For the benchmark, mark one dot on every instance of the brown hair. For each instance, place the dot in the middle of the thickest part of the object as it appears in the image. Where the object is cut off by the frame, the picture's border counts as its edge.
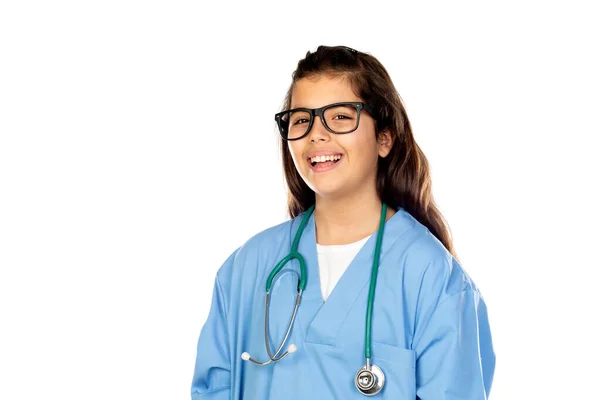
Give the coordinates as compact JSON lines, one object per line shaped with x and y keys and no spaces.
{"x":403,"y":177}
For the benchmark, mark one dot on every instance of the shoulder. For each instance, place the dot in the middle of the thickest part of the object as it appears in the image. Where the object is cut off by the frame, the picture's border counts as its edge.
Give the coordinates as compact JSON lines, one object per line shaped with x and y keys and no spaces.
{"x":267,"y":239}
{"x":262,"y":243}
{"x":433,"y":266}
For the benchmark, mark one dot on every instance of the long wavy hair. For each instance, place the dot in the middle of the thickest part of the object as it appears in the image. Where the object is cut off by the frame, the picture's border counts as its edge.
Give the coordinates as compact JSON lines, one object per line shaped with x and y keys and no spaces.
{"x":403,"y":177}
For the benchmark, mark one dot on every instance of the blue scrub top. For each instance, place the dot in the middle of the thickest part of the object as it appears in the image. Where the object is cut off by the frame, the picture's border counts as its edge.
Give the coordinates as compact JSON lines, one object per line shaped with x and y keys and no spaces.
{"x":430,"y":330}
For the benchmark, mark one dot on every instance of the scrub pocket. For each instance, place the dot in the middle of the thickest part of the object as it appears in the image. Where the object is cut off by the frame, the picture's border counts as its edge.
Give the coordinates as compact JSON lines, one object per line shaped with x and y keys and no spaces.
{"x":399,"y":367}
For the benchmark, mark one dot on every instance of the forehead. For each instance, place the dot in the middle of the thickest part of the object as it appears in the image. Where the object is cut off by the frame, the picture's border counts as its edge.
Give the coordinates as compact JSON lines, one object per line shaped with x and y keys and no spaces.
{"x":318,"y":91}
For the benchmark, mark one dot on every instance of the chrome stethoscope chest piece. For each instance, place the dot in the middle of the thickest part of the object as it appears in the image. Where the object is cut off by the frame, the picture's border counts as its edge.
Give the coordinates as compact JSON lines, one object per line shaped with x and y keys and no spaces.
{"x":369,"y":381}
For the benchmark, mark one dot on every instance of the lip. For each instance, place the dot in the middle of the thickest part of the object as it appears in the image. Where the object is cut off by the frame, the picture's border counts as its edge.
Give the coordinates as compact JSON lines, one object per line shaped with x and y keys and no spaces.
{"x":320,"y":168}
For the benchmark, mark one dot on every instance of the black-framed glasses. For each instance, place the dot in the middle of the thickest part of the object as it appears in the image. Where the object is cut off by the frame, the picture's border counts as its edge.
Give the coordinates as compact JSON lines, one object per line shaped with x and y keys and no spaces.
{"x":338,"y":118}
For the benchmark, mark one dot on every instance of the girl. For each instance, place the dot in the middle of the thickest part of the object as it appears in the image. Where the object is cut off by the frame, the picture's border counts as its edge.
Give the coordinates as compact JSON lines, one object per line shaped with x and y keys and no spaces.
{"x":360,"y":293}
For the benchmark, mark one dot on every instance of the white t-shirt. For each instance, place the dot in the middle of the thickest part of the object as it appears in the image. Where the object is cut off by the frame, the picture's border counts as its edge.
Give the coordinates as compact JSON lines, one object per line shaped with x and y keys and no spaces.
{"x":333,"y":262}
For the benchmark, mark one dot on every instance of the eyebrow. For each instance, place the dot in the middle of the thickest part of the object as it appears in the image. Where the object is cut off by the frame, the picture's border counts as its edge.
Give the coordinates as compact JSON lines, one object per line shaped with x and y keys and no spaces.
{"x":298,"y":106}
{"x":333,"y":102}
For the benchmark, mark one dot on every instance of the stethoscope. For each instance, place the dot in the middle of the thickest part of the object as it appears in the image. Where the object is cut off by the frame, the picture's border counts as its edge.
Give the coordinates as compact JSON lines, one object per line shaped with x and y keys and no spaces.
{"x":369,"y":378}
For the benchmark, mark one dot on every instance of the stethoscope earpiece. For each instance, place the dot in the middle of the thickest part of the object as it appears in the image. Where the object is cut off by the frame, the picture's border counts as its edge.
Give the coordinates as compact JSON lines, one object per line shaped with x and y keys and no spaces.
{"x":369,"y":381}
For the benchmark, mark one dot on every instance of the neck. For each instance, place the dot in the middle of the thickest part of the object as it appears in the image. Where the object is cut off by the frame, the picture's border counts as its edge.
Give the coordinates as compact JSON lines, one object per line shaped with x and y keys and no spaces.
{"x":347,"y":220}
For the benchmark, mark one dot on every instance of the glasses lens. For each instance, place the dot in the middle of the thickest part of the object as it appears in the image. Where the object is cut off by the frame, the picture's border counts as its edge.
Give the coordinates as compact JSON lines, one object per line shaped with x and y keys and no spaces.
{"x":342,"y":118}
{"x":295,"y":123}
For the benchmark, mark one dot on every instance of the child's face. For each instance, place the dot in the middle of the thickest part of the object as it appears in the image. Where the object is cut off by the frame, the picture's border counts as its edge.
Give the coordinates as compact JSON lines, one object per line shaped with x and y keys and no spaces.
{"x":356,"y":170}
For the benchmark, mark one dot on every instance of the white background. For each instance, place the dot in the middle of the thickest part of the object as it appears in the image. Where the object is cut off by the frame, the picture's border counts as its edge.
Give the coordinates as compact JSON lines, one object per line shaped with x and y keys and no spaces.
{"x":138,"y":149}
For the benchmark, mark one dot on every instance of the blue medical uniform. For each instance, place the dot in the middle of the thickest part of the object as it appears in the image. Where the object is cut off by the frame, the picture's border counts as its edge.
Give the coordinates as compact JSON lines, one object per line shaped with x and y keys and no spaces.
{"x":430,"y":331}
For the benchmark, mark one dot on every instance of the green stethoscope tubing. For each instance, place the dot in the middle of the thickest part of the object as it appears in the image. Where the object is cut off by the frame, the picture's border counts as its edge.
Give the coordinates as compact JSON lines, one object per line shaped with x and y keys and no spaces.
{"x":302,"y":282}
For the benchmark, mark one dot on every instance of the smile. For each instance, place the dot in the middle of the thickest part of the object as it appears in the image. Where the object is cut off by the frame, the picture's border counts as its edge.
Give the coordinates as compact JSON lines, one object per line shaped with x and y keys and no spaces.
{"x":324,"y":163}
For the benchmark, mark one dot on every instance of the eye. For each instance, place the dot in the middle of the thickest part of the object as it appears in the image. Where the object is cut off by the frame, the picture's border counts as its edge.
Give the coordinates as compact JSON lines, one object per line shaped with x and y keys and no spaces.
{"x":341,"y":115}
{"x":298,"y":120}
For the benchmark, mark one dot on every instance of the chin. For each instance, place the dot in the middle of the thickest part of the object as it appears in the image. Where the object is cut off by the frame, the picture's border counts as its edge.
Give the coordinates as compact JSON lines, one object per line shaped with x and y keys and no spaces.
{"x":328,"y":191}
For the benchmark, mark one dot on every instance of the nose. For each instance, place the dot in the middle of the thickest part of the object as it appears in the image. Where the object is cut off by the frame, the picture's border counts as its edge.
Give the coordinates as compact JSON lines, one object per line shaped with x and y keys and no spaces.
{"x":318,"y":131}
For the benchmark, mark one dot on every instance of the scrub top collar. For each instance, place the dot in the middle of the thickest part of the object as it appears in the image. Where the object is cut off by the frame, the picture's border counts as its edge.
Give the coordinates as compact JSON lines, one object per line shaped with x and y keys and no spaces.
{"x":322,"y":320}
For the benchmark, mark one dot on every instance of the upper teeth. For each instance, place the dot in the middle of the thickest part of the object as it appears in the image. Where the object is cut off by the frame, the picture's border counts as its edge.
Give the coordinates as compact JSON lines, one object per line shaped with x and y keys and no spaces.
{"x":325,"y":158}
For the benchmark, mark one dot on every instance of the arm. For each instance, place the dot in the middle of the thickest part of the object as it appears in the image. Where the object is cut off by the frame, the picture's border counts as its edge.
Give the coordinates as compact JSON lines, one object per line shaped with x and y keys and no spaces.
{"x":455,"y":357}
{"x":212,"y":377}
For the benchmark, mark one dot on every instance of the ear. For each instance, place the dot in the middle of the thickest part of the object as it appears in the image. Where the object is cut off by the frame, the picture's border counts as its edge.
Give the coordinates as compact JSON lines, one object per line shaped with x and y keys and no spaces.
{"x":385,"y":140}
